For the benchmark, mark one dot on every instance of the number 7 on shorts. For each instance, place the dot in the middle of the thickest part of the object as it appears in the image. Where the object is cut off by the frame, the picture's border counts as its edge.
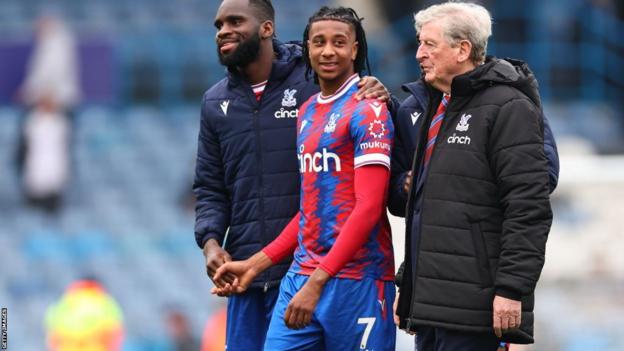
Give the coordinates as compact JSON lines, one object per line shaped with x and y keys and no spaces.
{"x":369,"y":321}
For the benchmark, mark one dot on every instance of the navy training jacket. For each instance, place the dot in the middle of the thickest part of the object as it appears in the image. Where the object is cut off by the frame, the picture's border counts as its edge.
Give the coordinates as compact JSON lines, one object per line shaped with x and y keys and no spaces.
{"x":407,"y":121}
{"x":246,"y":176}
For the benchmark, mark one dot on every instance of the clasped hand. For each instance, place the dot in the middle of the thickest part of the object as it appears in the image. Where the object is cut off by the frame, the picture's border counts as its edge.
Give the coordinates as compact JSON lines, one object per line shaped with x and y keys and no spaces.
{"x":243,"y":274}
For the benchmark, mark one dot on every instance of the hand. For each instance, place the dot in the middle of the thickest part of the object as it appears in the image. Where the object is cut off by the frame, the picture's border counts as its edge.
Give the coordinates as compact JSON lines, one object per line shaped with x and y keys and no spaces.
{"x":397,"y":320}
{"x":507,"y":315}
{"x":236,"y":277}
{"x":243,"y":272}
{"x":215,"y":257}
{"x":407,"y":184}
{"x":300,"y":309}
{"x":371,"y":88}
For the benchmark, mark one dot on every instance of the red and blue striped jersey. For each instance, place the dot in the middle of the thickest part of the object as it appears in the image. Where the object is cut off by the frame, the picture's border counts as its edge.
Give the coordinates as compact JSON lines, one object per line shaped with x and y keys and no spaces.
{"x":337,"y":134}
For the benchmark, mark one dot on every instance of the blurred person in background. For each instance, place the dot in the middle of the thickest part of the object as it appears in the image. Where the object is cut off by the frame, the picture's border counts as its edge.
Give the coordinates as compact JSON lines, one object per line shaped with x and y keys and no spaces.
{"x":246,"y":179}
{"x":180,"y":332}
{"x":49,"y":93}
{"x":52,"y":76}
{"x":46,"y":157}
{"x":86,"y":318}
{"x":213,"y":338}
{"x":478,"y":211}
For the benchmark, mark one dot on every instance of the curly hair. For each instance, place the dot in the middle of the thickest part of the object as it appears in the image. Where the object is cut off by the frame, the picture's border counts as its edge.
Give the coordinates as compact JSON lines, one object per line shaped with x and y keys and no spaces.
{"x":345,"y":15}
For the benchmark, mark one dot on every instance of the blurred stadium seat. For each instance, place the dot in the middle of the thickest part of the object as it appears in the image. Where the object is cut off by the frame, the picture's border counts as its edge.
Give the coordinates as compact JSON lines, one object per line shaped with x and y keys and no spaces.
{"x":123,"y":222}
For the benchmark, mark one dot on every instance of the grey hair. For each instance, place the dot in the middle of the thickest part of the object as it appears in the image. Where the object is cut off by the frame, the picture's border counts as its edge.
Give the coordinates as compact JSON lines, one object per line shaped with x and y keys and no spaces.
{"x":460,"y":21}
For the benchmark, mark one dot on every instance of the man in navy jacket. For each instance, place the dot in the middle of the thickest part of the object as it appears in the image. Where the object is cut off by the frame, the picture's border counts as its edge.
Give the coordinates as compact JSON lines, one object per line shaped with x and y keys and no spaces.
{"x":246,"y":180}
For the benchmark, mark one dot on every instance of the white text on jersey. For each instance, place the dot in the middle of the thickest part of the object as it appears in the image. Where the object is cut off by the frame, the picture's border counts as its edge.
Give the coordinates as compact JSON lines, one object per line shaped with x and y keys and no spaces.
{"x":317,"y":162}
{"x":375,"y":145}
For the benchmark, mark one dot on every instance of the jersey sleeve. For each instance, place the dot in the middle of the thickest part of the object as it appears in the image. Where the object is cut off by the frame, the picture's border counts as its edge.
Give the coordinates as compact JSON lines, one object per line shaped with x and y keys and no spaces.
{"x":372,"y":132}
{"x":369,"y":207}
{"x":285,"y":243}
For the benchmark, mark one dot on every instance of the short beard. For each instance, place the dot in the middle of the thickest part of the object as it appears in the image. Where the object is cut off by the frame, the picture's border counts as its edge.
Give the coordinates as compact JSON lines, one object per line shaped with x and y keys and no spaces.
{"x":246,"y":53}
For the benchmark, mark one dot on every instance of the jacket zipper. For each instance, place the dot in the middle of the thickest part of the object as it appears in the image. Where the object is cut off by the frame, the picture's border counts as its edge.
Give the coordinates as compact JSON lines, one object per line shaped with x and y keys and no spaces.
{"x":408,"y":245}
{"x":415,"y":272}
{"x":256,"y":121}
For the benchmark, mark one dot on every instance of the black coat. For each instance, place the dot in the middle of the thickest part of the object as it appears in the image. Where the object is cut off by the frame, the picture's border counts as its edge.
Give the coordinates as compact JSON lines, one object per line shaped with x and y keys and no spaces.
{"x":408,"y":118}
{"x":485,"y":205}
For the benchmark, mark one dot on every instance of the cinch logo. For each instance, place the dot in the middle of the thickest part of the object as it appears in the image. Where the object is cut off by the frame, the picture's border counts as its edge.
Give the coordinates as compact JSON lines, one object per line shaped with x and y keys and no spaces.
{"x":281,"y":113}
{"x":317,"y":162}
{"x":454,"y":139}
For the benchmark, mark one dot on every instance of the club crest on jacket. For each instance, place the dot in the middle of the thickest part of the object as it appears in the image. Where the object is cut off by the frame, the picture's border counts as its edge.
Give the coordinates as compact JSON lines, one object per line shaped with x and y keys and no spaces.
{"x":289,"y":99}
{"x":463,"y":125}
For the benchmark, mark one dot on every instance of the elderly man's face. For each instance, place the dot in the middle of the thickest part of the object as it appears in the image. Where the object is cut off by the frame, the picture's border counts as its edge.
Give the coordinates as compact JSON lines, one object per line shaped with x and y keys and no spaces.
{"x":438,"y":59}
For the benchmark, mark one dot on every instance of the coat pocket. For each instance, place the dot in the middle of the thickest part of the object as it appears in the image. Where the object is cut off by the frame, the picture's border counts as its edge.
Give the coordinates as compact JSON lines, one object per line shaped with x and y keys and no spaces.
{"x":482,"y":261}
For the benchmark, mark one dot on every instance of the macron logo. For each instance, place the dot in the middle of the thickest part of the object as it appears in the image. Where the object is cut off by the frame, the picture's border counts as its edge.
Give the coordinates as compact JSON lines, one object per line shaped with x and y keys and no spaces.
{"x":224,"y":106}
{"x":376,"y":106}
{"x":415,"y":116}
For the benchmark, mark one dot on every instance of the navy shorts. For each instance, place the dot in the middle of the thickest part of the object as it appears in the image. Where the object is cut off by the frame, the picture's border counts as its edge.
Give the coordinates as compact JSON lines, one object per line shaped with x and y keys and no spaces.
{"x":248,"y":317}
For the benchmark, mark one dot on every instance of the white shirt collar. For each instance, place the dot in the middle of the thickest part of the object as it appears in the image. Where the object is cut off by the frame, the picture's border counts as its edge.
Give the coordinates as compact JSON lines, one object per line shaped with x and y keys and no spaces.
{"x":340,"y":92}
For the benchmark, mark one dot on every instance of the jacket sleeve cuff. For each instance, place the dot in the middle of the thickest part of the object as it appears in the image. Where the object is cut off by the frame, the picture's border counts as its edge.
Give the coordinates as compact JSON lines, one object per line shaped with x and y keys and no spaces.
{"x":398,"y":197}
{"x":398,"y":278}
{"x":399,"y":186}
{"x":509,"y":294}
{"x":202,"y":240}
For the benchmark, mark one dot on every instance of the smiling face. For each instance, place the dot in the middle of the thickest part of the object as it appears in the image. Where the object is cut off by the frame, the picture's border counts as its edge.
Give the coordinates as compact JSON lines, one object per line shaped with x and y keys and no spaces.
{"x":332,"y":50}
{"x":439,"y":61}
{"x":239,"y":33}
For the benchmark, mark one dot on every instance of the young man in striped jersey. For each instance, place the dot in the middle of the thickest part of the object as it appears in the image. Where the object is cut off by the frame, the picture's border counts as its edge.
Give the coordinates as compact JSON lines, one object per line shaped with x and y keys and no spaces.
{"x":339,"y":290}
